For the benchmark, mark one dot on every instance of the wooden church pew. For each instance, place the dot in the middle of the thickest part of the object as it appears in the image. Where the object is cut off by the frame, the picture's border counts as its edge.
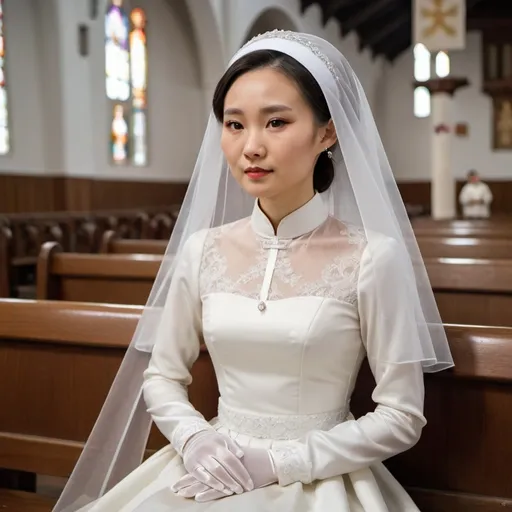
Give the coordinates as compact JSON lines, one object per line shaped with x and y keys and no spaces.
{"x":463,"y":247}
{"x":111,"y":278}
{"x":472,"y":291}
{"x":57,"y":363}
{"x":75,"y":232}
{"x":462,"y":461}
{"x":112,"y":244}
{"x":468,"y":291}
{"x":460,"y":464}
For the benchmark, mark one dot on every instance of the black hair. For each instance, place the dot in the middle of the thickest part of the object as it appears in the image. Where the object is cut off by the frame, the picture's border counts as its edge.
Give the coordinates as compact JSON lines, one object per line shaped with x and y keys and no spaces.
{"x":323,"y":174}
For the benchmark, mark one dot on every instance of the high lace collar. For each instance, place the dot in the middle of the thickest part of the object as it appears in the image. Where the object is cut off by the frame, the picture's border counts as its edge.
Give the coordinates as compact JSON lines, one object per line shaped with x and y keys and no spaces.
{"x":301,"y":221}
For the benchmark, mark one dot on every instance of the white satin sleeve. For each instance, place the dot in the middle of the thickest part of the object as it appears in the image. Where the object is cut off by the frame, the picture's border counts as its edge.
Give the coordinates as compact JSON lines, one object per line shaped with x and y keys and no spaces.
{"x":397,"y":421}
{"x":176,"y":349}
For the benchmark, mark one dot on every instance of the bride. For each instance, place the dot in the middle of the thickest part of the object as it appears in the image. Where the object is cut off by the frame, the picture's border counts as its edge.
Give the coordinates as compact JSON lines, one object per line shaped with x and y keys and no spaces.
{"x":293,"y":259}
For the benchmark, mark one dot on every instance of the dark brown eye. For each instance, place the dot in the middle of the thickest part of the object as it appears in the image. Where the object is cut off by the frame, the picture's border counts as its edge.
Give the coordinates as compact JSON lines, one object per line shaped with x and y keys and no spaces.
{"x":277,"y":123}
{"x":233,"y":125}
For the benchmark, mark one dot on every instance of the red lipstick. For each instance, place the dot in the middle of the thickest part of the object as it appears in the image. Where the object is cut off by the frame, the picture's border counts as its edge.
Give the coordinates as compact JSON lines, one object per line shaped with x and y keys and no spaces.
{"x":256,"y":173}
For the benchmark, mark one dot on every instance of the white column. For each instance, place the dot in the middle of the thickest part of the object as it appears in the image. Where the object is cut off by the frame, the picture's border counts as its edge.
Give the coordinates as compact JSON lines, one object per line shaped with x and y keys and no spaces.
{"x":443,"y":203}
{"x":76,"y":100}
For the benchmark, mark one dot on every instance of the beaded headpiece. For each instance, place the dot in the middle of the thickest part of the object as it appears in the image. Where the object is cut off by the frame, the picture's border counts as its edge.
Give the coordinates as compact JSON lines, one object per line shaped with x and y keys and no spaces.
{"x":295,"y":37}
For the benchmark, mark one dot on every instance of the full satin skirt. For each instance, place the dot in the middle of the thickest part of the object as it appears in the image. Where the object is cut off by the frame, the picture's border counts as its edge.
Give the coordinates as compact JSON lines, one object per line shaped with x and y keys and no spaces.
{"x":147,"y":489}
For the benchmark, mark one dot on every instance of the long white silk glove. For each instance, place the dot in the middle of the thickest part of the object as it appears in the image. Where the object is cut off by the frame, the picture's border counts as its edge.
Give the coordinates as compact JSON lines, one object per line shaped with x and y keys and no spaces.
{"x":214,"y":460}
{"x":258,"y":463}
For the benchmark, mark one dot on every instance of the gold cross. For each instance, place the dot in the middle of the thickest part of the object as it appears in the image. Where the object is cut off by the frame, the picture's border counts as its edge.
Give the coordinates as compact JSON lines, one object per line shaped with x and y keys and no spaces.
{"x":439,"y":16}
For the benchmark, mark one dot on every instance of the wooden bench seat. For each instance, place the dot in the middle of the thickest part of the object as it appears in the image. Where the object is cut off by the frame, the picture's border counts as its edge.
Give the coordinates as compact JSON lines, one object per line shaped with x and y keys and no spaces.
{"x":111,"y":278}
{"x":472,"y":290}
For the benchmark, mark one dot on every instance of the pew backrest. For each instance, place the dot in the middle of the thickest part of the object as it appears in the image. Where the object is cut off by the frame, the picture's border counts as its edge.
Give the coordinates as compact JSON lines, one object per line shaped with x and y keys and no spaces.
{"x":57,"y":362}
{"x":112,"y":244}
{"x":112,"y":278}
{"x":465,"y":247}
{"x":470,"y":274}
{"x":500,"y":231}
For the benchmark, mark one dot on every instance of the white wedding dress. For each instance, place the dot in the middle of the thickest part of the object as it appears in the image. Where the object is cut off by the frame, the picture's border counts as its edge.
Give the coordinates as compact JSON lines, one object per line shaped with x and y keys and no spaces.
{"x":287,"y":319}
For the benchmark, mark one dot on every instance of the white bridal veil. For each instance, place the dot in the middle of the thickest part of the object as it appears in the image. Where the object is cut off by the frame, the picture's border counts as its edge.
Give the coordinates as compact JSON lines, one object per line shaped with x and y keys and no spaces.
{"x":364,"y":193}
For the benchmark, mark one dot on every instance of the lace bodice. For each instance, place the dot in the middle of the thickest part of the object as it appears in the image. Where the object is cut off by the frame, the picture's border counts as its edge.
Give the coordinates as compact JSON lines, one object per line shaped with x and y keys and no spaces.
{"x":323,"y":263}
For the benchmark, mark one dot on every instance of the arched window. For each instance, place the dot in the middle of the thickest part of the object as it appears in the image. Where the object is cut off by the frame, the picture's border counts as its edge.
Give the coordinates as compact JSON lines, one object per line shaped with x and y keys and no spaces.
{"x":442,"y":65}
{"x":126,"y":82}
{"x":422,"y":71}
{"x":4,"y":117}
{"x":421,"y":102}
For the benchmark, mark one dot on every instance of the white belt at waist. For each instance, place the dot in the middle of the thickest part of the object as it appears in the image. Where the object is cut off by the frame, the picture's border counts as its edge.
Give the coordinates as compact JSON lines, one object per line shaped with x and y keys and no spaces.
{"x":277,"y":427}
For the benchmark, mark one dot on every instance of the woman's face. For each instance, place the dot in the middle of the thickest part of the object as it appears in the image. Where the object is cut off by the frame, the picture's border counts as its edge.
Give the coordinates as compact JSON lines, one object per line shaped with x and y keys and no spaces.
{"x":270,"y":138}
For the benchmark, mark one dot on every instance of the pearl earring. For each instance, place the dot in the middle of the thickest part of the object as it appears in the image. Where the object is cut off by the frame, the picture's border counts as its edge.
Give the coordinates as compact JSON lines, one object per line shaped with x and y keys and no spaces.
{"x":329,"y":153}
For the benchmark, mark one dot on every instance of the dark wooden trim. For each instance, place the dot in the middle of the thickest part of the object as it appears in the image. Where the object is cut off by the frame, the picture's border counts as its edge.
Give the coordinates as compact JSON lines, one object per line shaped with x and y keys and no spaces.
{"x":448,"y":85}
{"x":29,"y":193}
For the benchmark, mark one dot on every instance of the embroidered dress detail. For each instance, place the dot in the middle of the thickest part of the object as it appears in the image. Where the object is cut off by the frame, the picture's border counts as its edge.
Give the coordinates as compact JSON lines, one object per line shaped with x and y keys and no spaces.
{"x":285,"y":427}
{"x":323,"y":263}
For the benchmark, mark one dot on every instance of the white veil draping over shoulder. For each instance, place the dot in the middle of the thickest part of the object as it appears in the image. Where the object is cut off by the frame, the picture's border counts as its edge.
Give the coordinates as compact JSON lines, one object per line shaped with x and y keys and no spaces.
{"x":364,"y":193}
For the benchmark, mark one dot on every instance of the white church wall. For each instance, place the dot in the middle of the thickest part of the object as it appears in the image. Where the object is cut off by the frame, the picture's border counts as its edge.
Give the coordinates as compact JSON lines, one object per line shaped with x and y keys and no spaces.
{"x":25,"y":98}
{"x":407,"y":139}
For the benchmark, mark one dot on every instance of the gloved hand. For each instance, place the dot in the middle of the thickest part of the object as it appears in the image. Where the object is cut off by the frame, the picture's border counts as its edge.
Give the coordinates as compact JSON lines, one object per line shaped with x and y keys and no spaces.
{"x":258,"y":463}
{"x":214,"y":460}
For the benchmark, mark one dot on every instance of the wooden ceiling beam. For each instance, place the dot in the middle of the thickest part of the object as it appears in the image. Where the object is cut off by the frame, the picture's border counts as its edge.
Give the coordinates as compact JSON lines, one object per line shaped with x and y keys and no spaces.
{"x":393,"y":53}
{"x":364,"y":15}
{"x":387,"y":30}
{"x":331,"y":7}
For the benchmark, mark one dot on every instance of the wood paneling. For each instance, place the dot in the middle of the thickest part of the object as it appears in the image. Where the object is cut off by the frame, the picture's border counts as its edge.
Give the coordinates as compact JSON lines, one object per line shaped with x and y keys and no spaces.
{"x":27,"y":194}
{"x":133,"y":194}
{"x":418,"y":193}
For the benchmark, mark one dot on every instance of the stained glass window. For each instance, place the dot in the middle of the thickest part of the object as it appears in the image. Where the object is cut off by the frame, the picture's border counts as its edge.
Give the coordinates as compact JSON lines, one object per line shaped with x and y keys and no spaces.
{"x":119,"y":135}
{"x":139,"y":78}
{"x":4,"y":117}
{"x":117,"y":56}
{"x":126,"y":82}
